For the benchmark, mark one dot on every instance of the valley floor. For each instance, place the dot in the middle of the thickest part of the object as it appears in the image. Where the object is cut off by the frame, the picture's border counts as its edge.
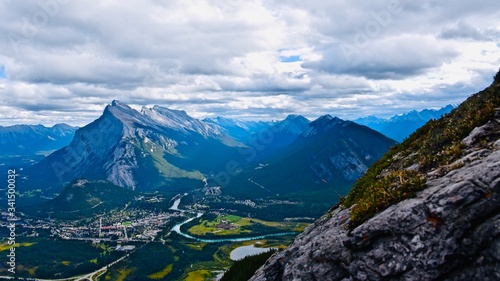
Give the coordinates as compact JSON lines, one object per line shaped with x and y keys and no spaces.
{"x":131,"y":243}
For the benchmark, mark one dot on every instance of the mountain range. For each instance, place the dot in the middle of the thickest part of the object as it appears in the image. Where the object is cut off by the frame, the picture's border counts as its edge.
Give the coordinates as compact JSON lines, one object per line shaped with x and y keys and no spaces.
{"x":25,"y":140}
{"x":165,"y":150}
{"x":34,"y":139}
{"x":399,"y":127}
{"x":330,"y":152}
{"x":266,"y":138}
{"x":158,"y":149}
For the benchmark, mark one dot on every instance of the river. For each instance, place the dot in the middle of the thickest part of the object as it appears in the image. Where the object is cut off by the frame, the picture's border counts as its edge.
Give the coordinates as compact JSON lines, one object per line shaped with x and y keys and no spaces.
{"x":177,"y":228}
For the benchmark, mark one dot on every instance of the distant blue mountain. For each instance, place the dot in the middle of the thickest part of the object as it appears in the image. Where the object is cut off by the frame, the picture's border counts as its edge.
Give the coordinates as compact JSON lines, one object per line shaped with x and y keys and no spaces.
{"x":265,"y":138}
{"x":286,"y":131}
{"x":400,"y":127}
{"x":34,"y":139}
{"x":238,"y":129}
{"x":321,"y":164}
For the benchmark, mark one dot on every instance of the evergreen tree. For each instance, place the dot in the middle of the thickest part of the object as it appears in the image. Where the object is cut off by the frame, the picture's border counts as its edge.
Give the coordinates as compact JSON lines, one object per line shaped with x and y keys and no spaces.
{"x":244,"y":269}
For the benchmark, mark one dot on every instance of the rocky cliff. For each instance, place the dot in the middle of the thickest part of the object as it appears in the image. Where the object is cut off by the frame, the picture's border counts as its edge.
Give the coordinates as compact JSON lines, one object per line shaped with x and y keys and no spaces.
{"x":449,"y":230}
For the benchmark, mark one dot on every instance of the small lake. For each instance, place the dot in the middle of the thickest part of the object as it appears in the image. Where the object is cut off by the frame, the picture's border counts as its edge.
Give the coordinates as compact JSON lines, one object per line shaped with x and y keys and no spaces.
{"x":245,"y":251}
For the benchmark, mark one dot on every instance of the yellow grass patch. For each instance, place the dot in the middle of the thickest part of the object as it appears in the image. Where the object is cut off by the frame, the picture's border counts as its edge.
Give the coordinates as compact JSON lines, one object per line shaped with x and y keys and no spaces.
{"x":196,"y":246}
{"x":198,"y":275}
{"x":6,"y":247}
{"x":124,"y":273}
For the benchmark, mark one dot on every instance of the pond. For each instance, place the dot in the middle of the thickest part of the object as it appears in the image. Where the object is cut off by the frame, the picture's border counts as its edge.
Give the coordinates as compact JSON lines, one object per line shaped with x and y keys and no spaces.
{"x":245,"y":251}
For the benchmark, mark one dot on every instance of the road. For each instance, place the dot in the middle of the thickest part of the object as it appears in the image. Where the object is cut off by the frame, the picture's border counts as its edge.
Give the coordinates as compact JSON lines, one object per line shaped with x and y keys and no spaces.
{"x":87,"y":277}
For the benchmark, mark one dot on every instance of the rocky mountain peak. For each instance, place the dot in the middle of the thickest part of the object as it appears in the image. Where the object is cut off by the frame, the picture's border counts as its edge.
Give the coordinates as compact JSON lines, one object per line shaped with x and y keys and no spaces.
{"x":324,"y":118}
{"x":62,"y":126}
{"x":295,"y":117}
{"x":118,"y":103}
{"x":294,"y":124}
{"x":123,"y":112}
{"x":181,"y":121}
{"x":322,"y":124}
{"x":172,"y":112}
{"x":123,"y":141}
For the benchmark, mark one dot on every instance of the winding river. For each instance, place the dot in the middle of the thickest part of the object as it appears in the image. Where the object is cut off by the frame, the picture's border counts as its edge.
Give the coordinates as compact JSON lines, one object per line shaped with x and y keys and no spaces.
{"x":177,"y":228}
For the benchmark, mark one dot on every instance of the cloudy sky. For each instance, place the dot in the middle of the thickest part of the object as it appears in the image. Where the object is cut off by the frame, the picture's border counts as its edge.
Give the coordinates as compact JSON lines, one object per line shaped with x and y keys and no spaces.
{"x":63,"y":61}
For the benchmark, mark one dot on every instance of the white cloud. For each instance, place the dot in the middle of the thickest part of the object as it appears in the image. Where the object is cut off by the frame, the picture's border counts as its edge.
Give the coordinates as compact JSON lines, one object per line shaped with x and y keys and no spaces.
{"x":65,"y":60}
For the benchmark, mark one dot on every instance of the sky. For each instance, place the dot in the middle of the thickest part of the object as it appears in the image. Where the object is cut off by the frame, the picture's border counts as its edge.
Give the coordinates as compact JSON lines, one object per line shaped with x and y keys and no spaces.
{"x":64,"y":61}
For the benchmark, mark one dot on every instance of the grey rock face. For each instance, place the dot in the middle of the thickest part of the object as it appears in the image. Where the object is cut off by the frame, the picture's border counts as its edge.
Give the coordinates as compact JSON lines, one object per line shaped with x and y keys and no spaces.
{"x":449,"y":231}
{"x":352,"y":168}
{"x":120,"y":170}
